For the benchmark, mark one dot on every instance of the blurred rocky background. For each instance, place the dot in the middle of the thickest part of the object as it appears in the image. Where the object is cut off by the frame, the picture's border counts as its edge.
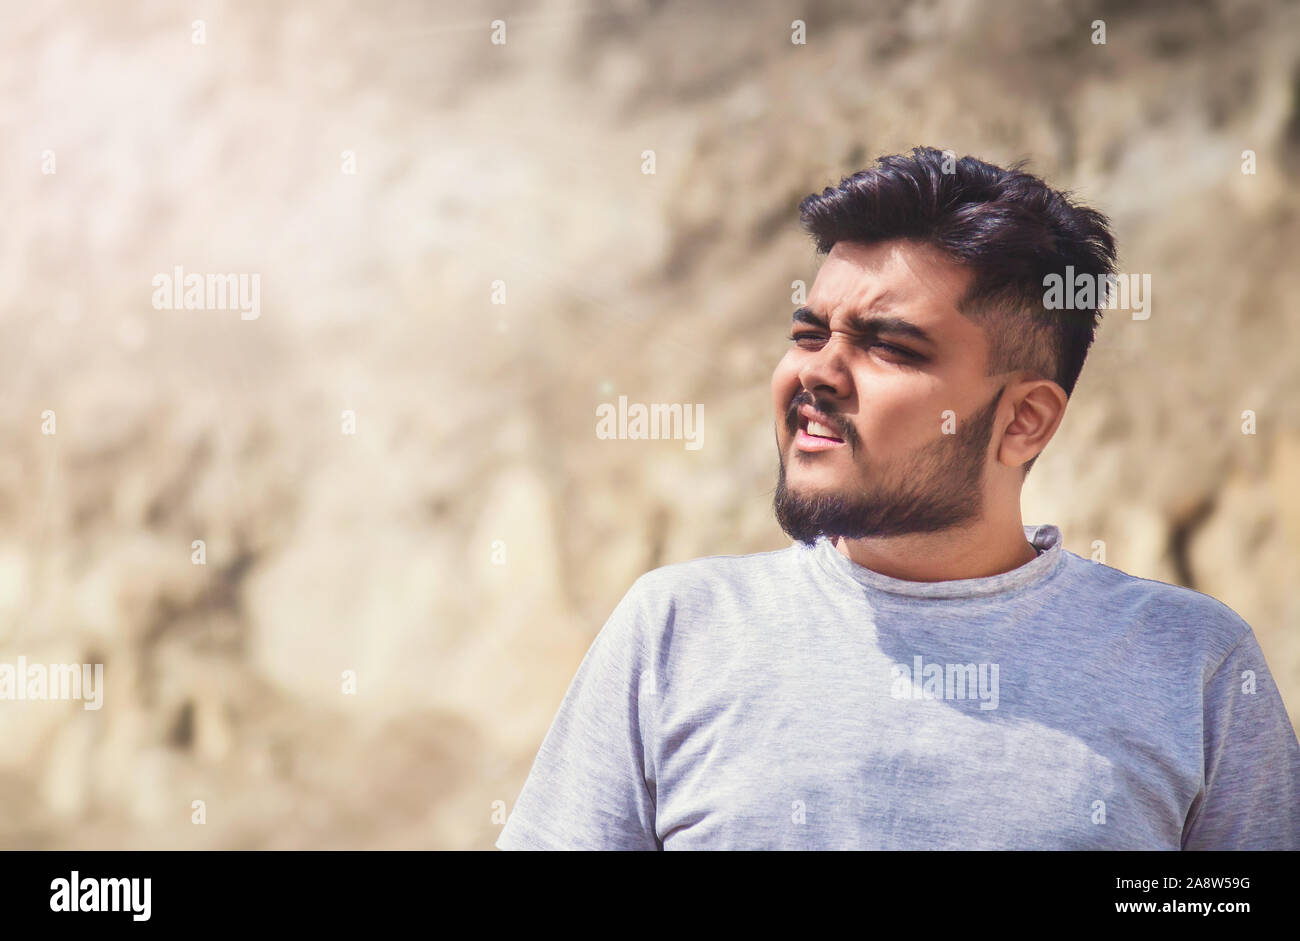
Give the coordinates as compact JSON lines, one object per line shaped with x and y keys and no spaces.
{"x":460,"y":550}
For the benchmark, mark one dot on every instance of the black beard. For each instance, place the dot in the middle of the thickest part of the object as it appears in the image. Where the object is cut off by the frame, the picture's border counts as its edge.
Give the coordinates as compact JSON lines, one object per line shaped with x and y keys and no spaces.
{"x":939,"y":487}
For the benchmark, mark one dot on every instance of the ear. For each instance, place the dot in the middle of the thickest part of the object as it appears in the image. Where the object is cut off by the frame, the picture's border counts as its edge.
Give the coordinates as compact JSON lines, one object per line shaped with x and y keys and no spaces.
{"x":1039,"y":406}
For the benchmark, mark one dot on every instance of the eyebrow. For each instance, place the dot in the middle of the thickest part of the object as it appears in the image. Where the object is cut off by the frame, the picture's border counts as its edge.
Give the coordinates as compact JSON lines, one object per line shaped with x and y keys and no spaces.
{"x":873,"y":324}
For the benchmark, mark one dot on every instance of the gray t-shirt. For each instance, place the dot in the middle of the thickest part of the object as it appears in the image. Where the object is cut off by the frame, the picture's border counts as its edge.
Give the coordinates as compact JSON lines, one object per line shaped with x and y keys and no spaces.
{"x":796,"y":700}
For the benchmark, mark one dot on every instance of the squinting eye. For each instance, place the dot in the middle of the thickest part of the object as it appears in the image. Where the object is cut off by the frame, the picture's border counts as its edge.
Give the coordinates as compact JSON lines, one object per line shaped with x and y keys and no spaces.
{"x":897,"y":350}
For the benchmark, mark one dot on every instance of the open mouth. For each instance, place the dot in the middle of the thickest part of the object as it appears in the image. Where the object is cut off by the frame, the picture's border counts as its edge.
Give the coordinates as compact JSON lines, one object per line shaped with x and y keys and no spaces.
{"x":814,"y":435}
{"x":818,"y":430}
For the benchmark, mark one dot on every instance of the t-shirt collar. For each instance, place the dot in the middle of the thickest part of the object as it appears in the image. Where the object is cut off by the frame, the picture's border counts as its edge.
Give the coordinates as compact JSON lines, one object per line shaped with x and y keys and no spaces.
{"x":1045,"y":538}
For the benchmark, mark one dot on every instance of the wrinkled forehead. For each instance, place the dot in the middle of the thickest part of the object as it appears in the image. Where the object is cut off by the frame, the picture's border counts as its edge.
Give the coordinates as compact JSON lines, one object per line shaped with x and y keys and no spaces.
{"x":911,"y":274}
{"x":904,"y":279}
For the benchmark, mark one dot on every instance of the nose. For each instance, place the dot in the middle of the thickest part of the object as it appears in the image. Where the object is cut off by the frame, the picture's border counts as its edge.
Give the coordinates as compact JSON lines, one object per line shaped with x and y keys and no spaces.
{"x":826,"y":369}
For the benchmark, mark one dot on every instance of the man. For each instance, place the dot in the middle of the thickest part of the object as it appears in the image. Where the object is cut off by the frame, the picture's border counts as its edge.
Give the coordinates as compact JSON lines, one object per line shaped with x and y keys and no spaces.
{"x":919,"y":670}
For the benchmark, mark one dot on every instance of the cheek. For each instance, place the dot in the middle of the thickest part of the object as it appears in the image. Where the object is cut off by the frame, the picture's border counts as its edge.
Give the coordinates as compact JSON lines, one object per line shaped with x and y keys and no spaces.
{"x":896,"y":419}
{"x":895,"y":413}
{"x":785,"y":384}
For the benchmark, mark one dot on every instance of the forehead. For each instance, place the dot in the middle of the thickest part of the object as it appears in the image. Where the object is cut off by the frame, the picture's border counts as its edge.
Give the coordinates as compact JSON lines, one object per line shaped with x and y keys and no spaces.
{"x":904,"y":279}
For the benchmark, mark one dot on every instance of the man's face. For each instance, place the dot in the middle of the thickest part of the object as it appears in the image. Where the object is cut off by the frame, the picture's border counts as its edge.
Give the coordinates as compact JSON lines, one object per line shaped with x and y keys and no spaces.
{"x":890,"y":469}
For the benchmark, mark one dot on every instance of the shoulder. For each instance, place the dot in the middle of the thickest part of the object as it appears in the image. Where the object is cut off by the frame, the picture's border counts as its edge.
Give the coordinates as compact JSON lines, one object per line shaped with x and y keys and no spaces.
{"x":1166,"y":613}
{"x":664,"y":601}
{"x":715,"y":569}
{"x":711,"y":579}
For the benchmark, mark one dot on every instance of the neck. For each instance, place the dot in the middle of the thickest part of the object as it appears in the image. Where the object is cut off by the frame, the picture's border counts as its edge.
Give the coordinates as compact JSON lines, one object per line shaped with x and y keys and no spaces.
{"x":978,"y":550}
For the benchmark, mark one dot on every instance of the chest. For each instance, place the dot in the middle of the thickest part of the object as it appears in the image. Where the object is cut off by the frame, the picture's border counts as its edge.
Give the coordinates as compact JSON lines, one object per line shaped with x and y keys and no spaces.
{"x":771,"y":754}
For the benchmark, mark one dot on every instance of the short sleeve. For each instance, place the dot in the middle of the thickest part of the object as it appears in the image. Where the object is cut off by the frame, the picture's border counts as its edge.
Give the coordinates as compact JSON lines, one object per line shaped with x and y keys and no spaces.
{"x":1251,"y":794}
{"x":590,"y":786}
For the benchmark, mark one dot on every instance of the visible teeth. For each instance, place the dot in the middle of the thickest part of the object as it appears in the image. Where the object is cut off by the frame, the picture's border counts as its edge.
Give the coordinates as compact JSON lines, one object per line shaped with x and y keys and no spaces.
{"x":820,"y":431}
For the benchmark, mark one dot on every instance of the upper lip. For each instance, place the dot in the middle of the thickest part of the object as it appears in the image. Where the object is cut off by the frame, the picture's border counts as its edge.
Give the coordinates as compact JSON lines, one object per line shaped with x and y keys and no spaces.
{"x":808,"y":413}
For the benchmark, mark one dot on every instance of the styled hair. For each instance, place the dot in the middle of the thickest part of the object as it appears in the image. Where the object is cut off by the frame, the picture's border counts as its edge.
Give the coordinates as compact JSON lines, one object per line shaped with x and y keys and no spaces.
{"x":1007,"y":226}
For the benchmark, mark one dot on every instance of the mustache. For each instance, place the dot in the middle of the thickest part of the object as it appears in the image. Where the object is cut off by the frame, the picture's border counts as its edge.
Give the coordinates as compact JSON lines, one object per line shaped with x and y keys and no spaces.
{"x":843,"y":429}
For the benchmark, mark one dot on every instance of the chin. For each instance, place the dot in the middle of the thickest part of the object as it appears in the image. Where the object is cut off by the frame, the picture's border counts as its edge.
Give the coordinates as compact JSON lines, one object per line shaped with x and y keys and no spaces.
{"x":808,"y":490}
{"x":809,"y":470}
